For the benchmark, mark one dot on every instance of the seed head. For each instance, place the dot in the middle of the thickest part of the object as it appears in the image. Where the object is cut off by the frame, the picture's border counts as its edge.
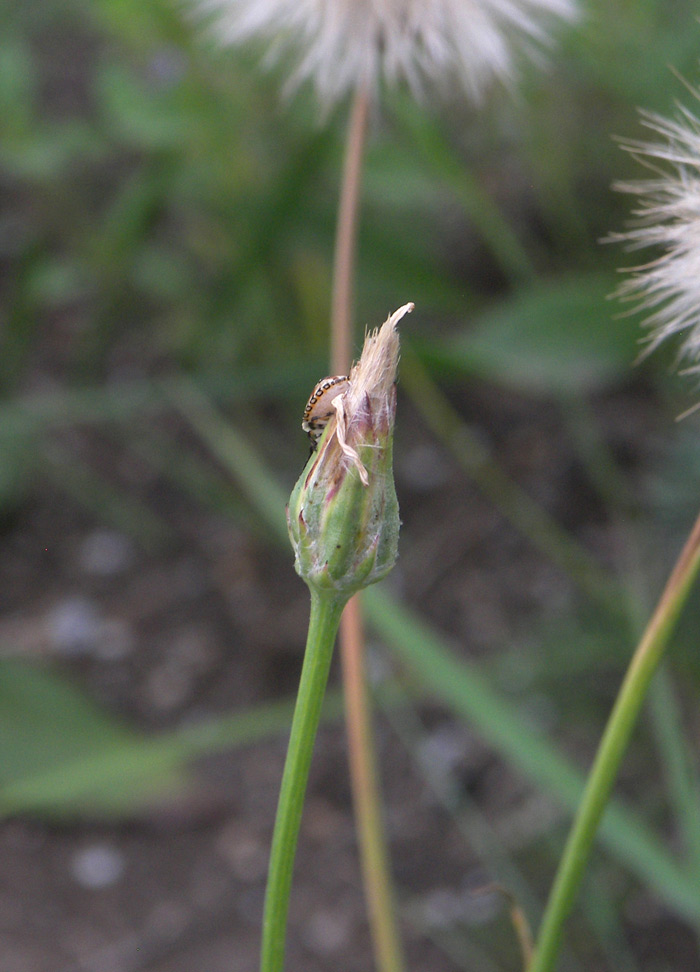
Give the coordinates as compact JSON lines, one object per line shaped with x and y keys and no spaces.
{"x":343,"y":514}
{"x":667,"y":216}
{"x":342,"y":44}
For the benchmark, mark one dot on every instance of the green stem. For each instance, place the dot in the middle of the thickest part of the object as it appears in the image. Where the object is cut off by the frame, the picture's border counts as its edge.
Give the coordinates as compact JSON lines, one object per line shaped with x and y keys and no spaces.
{"x":346,"y":236}
{"x":323,"y":626}
{"x":610,"y":752}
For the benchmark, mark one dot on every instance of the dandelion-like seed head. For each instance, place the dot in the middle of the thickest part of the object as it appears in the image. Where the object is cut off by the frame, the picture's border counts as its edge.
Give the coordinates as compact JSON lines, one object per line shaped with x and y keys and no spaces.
{"x":667,"y":216}
{"x":343,"y":44}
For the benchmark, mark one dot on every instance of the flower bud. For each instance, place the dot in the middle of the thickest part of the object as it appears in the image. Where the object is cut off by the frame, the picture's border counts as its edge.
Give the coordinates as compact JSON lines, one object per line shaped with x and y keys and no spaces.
{"x":343,"y":515}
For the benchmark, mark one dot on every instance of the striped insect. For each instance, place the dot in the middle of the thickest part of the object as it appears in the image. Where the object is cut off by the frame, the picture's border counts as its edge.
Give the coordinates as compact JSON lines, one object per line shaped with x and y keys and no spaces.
{"x":319,"y":407}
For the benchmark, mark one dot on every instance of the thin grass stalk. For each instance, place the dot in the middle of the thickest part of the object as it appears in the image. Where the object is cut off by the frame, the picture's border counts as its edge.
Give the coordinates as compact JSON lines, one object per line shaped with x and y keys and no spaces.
{"x":644,"y":664}
{"x":527,"y":516}
{"x":346,"y":236}
{"x":677,"y":756}
{"x":361,"y":748}
{"x":682,"y":782}
{"x":428,"y":137}
{"x":363,"y":773}
{"x":439,"y":672}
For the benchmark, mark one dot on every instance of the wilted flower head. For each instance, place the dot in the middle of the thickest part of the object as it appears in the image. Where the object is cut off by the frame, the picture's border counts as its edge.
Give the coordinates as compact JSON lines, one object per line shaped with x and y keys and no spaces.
{"x":668,"y":217}
{"x":342,"y":44}
{"x":343,"y":515}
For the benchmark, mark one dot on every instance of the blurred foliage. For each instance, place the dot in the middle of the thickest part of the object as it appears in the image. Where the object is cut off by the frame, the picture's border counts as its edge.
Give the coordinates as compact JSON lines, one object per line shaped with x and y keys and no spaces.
{"x":166,"y":238}
{"x":165,"y":207}
{"x":48,"y":727}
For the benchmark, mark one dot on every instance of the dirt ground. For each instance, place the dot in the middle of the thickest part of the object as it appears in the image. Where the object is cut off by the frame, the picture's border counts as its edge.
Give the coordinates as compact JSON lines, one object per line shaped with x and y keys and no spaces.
{"x":215,"y":620}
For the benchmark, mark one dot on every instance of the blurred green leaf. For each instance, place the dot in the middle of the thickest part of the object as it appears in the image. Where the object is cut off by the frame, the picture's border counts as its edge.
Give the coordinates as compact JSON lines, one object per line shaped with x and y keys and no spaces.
{"x":559,"y":338}
{"x":140,"y":113}
{"x":17,"y":81}
{"x":48,"y":726}
{"x":63,"y":756}
{"x":18,"y":463}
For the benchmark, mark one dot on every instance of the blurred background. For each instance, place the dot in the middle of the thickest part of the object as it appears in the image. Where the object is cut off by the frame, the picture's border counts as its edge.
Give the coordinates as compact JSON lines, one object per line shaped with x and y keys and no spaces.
{"x":166,"y":231}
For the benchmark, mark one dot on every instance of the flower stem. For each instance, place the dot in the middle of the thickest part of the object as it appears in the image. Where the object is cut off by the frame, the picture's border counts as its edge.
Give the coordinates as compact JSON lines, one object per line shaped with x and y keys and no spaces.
{"x":362,"y":758}
{"x":346,"y":236}
{"x":326,"y":610}
{"x":363,"y":772}
{"x":611,"y":750}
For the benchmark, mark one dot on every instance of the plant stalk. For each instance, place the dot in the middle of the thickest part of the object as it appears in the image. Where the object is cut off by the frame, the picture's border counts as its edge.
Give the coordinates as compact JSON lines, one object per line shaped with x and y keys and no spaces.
{"x":346,"y":236}
{"x":365,"y":785}
{"x":361,"y":750}
{"x":612,"y":747}
{"x":326,"y":610}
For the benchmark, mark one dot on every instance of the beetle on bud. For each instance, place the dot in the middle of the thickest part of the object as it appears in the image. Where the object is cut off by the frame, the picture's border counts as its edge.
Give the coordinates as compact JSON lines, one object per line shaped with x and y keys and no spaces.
{"x":319,"y":407}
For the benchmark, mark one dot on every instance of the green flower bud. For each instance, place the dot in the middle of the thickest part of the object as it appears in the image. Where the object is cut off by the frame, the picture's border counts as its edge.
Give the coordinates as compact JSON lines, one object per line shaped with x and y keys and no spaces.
{"x":343,"y":515}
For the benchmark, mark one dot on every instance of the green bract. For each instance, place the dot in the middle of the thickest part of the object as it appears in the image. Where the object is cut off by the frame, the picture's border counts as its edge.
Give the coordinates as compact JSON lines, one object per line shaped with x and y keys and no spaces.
{"x":345,"y":535}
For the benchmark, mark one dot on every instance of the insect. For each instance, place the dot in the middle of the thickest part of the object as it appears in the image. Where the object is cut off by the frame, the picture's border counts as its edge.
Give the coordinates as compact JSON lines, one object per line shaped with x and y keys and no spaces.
{"x":319,"y":407}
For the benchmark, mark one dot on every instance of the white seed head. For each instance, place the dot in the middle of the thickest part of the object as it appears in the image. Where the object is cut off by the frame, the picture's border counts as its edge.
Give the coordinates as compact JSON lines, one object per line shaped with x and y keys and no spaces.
{"x":667,"y":217}
{"x":343,"y":44}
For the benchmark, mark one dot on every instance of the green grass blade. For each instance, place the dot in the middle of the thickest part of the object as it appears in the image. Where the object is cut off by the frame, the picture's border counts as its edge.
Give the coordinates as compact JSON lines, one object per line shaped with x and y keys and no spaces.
{"x":464,"y":690}
{"x":682,"y":782}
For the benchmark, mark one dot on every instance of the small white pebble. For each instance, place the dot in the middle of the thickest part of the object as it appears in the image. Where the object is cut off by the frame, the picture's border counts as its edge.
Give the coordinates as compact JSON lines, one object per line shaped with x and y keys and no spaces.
{"x":327,"y":932}
{"x":246,"y":855}
{"x":98,"y":866}
{"x":442,"y":751}
{"x":74,"y":626}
